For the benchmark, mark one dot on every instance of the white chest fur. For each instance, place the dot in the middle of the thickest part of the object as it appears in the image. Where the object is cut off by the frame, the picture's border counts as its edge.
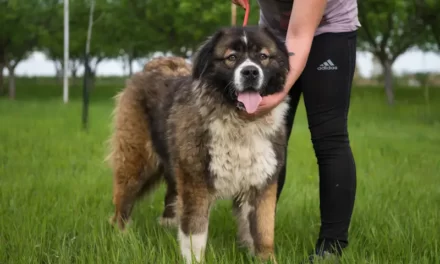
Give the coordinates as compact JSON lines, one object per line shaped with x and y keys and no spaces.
{"x":242,"y":155}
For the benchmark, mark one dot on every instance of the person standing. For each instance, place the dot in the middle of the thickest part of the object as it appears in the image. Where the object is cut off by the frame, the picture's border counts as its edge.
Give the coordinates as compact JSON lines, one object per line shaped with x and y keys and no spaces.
{"x":320,"y":36}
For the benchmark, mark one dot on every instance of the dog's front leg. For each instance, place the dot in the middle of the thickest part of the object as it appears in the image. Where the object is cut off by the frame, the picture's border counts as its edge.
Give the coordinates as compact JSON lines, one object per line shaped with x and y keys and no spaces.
{"x":242,"y":210}
{"x":262,"y":222}
{"x":194,"y":203}
{"x":193,"y":228}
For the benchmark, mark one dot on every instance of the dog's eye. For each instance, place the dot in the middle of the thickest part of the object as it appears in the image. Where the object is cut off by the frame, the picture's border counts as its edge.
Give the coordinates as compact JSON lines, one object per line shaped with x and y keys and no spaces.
{"x":263,"y":56}
{"x":232,"y":57}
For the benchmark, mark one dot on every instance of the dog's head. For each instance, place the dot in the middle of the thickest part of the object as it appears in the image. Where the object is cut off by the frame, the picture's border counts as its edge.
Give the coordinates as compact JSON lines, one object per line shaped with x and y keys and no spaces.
{"x":243,"y":64}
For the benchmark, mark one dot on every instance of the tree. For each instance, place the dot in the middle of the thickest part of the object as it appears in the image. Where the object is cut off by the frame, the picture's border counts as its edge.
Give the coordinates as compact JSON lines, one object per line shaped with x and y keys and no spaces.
{"x":87,"y":67}
{"x":103,"y":46}
{"x":176,"y":26}
{"x":52,"y":42}
{"x":429,"y":11}
{"x":16,"y":40}
{"x":145,"y":27}
{"x":389,"y":29}
{"x":4,"y":40}
{"x":26,"y":21}
{"x":134,"y":35}
{"x":192,"y":30}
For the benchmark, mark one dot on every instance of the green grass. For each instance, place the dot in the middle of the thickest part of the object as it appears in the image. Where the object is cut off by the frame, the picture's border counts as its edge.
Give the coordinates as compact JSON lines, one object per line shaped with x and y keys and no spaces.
{"x":55,"y":189}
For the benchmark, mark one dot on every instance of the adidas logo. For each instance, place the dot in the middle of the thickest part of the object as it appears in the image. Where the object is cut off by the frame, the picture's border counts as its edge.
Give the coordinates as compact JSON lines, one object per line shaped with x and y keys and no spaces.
{"x":327,"y":66}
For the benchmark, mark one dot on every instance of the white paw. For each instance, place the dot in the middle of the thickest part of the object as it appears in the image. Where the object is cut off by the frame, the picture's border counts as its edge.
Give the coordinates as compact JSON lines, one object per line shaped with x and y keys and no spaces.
{"x":193,"y":245}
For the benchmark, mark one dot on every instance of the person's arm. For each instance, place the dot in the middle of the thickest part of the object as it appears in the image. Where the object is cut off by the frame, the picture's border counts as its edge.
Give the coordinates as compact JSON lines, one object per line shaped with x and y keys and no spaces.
{"x":304,"y":19}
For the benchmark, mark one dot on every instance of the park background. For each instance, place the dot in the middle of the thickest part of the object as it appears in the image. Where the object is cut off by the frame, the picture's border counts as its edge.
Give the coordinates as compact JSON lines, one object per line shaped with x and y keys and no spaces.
{"x":55,"y":188}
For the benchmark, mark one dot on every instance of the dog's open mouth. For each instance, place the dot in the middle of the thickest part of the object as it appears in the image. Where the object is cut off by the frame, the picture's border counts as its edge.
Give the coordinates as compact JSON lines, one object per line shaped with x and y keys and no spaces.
{"x":248,"y":101}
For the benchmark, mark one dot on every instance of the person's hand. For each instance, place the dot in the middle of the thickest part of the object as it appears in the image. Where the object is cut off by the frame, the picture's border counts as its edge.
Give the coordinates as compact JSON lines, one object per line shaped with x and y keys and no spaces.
{"x":239,"y":3}
{"x":269,"y":102}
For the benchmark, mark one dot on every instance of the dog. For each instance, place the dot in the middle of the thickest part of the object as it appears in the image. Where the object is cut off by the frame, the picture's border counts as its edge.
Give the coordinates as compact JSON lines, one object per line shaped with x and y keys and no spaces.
{"x":193,"y":127}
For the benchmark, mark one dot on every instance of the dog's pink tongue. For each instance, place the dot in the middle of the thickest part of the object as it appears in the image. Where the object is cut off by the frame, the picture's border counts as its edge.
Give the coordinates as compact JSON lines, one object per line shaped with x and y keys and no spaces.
{"x":251,"y":100}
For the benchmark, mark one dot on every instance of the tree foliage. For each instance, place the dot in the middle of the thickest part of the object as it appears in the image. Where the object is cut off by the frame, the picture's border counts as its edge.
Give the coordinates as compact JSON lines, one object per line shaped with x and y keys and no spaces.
{"x":103,"y":46}
{"x":25,"y":21}
{"x":429,"y":12}
{"x":389,"y":29}
{"x":134,"y":30}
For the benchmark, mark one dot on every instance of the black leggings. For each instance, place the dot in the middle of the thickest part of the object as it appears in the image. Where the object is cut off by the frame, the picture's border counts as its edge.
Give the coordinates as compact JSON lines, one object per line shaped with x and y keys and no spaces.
{"x":326,"y":85}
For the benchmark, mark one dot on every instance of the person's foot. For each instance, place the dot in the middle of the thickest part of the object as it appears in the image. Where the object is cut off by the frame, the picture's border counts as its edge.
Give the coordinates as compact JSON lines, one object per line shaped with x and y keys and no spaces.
{"x":326,"y":252}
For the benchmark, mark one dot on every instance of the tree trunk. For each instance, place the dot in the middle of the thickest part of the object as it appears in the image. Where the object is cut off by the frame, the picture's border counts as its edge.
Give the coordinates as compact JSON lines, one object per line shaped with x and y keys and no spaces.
{"x":58,"y":71}
{"x":124,"y":65}
{"x":2,"y":90}
{"x":130,"y":65}
{"x":74,"y":74}
{"x":92,"y":72}
{"x":11,"y":71}
{"x":388,"y":75}
{"x":86,"y":87}
{"x":92,"y":79}
{"x":74,"y":69}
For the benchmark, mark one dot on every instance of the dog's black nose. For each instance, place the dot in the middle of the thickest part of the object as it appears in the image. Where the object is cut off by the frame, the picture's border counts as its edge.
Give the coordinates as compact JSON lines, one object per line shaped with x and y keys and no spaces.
{"x":250,"y":72}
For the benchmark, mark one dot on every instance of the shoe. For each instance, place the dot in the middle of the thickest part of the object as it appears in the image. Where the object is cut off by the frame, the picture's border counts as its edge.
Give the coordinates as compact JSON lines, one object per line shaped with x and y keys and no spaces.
{"x":326,"y":252}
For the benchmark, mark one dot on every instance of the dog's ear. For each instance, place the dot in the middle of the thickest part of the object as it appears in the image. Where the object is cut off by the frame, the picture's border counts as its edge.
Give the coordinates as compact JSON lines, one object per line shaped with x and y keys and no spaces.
{"x":281,"y":46}
{"x":283,"y":55}
{"x":203,"y":57}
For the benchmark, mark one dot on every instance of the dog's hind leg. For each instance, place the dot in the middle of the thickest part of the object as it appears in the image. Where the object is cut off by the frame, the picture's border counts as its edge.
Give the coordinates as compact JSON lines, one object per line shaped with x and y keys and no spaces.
{"x":169,"y":215}
{"x":136,"y":166}
{"x":130,"y":183}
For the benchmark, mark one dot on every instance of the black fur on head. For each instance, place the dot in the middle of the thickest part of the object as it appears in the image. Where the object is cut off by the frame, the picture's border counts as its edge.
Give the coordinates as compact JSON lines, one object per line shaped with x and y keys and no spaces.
{"x":240,"y":59}
{"x":204,"y":55}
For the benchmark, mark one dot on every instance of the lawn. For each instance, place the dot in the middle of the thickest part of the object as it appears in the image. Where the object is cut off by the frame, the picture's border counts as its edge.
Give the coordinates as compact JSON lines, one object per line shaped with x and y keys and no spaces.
{"x":55,"y":189}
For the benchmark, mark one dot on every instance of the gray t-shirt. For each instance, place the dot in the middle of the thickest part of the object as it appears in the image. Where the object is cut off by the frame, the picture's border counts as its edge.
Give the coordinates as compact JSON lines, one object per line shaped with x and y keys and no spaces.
{"x":339,"y":16}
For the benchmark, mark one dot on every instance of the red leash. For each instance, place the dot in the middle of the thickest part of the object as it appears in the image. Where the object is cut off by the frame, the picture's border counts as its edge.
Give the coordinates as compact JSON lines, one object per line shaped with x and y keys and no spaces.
{"x":246,"y":14}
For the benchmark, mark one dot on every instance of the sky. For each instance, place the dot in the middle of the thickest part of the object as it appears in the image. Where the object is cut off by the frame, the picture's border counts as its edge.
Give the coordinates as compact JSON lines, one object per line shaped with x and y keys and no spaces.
{"x":38,"y":65}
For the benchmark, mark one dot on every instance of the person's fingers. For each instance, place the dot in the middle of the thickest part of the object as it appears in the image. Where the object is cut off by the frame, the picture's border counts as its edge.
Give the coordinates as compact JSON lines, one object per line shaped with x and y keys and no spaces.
{"x":239,"y":3}
{"x":267,"y":103}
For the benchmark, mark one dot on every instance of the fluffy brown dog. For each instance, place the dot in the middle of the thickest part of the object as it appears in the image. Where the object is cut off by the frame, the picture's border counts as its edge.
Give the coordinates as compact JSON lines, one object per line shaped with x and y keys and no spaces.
{"x":189,"y":127}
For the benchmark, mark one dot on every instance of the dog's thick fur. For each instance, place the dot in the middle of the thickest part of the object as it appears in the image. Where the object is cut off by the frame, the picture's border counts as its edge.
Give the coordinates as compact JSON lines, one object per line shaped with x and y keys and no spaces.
{"x":182,"y":123}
